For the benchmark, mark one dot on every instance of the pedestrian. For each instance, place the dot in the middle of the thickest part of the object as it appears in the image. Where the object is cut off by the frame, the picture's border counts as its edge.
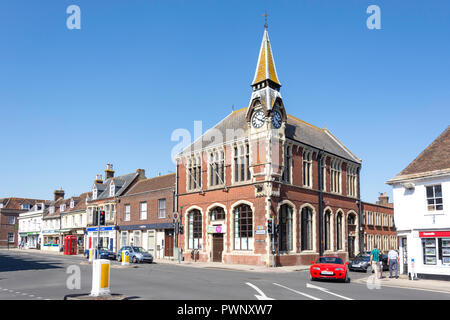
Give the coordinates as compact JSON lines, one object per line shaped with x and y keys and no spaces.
{"x":375,"y":261}
{"x":393,"y":260}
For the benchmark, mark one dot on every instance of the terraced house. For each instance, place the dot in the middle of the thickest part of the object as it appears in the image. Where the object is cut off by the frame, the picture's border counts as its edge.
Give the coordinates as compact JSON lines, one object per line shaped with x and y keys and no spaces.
{"x":105,"y":198}
{"x":146,"y":215}
{"x":260,"y":163}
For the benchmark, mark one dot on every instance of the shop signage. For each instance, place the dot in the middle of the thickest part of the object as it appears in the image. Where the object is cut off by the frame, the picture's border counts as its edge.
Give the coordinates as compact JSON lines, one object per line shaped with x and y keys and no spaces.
{"x":434,"y":234}
{"x":216,"y":229}
{"x":260,"y":231}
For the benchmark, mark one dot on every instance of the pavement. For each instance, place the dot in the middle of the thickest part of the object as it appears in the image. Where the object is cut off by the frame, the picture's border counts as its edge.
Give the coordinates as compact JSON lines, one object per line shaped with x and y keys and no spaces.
{"x":401,"y":282}
{"x":404,"y":282}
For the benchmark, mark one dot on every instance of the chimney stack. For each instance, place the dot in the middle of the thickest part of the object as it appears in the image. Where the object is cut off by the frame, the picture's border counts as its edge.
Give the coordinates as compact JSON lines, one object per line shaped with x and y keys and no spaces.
{"x":98,"y":179}
{"x":141,"y":174}
{"x":383,"y":198}
{"x":59,"y":194}
{"x":109,"y":172}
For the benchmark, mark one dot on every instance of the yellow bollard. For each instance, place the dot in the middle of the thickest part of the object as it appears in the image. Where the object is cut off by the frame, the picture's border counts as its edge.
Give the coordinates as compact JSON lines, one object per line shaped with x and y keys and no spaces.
{"x":125,"y":258}
{"x":100,"y":278}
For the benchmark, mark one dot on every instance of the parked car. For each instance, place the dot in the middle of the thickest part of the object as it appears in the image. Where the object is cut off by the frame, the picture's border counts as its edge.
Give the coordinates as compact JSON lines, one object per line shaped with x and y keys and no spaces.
{"x":137,"y":254}
{"x":104,"y":254}
{"x":362,"y":262}
{"x":329,"y":268}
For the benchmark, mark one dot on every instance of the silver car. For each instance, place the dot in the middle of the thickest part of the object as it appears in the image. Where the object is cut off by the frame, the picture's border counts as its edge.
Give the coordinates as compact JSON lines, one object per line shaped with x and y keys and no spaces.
{"x":136,"y":254}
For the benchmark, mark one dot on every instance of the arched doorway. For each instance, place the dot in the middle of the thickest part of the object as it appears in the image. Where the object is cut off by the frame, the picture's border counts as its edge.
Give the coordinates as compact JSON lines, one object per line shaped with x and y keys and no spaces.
{"x":351,"y":234}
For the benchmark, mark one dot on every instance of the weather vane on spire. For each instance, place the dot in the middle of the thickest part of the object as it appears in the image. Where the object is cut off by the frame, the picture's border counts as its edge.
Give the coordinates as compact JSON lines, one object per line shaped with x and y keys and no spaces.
{"x":265,"y":18}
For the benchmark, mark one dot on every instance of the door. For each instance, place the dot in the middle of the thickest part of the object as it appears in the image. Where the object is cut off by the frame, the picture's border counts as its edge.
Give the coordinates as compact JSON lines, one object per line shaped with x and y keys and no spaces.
{"x":217,"y":247}
{"x":404,"y":255}
{"x":151,"y":242}
{"x":351,"y":246}
{"x":168,"y":240}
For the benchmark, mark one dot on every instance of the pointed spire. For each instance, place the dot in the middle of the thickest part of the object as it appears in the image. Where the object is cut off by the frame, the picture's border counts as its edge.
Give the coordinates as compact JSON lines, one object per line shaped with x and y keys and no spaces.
{"x":265,"y":69}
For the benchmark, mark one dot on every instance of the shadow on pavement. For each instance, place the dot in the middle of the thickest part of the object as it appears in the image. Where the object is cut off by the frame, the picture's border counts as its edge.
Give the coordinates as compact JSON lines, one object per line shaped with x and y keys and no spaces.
{"x":10,"y":262}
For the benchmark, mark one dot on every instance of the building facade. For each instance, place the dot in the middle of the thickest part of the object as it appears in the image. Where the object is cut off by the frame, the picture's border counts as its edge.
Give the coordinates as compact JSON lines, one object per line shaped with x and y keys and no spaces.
{"x":74,"y":219}
{"x":10,"y":209}
{"x":260,"y":163}
{"x":51,"y":232}
{"x":379,"y":225}
{"x":422,"y":212}
{"x":145,"y":218}
{"x":105,"y":195}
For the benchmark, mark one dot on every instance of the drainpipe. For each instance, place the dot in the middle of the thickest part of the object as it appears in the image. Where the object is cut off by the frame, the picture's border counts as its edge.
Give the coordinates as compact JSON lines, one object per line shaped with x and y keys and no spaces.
{"x":360,"y":232}
{"x":320,"y":209}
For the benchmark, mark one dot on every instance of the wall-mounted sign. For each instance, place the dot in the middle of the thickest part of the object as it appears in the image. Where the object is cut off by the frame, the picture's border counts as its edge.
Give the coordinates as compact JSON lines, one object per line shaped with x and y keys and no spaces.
{"x":260,"y":231}
{"x":216,"y":229}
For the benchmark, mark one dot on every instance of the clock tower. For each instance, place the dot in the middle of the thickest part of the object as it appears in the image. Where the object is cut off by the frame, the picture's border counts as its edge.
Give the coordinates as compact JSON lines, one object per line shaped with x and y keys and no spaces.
{"x":266,"y":119}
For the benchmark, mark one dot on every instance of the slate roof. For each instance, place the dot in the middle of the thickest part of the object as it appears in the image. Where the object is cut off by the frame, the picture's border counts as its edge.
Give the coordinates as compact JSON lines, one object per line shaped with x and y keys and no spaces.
{"x":433,"y":160}
{"x":121,"y":183}
{"x":15,"y":203}
{"x":296,"y":129}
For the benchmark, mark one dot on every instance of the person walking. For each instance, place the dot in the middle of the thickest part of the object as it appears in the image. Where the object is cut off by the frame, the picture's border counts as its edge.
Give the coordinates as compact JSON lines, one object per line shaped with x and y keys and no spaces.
{"x":375,"y":261}
{"x":393,"y":260}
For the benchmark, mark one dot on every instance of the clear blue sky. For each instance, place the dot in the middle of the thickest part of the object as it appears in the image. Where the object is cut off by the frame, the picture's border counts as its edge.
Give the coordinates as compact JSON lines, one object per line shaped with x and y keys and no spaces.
{"x":72,"y":101}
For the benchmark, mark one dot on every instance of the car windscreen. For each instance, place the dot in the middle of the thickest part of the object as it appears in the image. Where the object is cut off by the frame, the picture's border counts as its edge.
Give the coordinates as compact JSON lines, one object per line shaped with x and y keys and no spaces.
{"x":139,"y":249}
{"x":362,"y":258}
{"x":330,"y":260}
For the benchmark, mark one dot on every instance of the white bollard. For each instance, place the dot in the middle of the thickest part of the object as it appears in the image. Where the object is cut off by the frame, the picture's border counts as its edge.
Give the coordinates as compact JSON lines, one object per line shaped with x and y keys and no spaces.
{"x":92,"y":254}
{"x":100,"y":278}
{"x":125,"y":258}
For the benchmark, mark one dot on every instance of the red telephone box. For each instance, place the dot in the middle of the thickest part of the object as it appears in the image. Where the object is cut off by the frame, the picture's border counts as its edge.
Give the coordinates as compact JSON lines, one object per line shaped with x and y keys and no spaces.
{"x":70,"y":245}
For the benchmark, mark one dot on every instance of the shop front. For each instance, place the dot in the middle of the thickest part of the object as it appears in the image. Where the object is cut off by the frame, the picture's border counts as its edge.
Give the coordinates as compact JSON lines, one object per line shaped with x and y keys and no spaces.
{"x":106,"y":238}
{"x":429,"y":254}
{"x":29,"y":240}
{"x":51,"y":240}
{"x":156,"y":238}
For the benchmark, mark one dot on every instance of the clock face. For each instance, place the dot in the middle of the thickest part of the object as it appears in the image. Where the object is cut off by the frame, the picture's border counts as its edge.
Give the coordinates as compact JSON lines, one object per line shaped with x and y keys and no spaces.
{"x":276,"y":119}
{"x":258,"y":119}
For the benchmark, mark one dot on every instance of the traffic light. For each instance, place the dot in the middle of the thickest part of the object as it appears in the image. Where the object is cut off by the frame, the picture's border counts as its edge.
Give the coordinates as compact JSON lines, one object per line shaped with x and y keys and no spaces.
{"x":180,"y":229}
{"x":102,"y":218}
{"x":277,"y":229}
{"x":270,"y":226}
{"x":95,"y":216}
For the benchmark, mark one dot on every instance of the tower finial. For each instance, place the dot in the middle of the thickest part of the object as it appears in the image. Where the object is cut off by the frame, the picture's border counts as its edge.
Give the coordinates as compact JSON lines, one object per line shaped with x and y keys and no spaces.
{"x":265,"y":15}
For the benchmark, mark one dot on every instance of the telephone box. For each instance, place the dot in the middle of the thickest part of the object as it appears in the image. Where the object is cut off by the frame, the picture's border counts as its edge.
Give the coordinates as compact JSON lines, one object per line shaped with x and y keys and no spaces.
{"x":70,"y":245}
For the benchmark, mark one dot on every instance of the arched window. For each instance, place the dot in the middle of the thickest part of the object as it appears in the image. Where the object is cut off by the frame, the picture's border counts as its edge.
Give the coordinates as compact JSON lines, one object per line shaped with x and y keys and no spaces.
{"x":327,"y":230}
{"x":217,"y":214}
{"x":195,"y":229}
{"x":339,"y":231}
{"x":285,"y":228}
{"x":307,"y":229}
{"x":243,"y":228}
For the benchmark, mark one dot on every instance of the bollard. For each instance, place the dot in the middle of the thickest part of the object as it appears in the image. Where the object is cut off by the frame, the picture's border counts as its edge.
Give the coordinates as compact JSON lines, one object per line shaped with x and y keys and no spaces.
{"x":92,"y":254}
{"x":125,"y":258}
{"x":100,"y":278}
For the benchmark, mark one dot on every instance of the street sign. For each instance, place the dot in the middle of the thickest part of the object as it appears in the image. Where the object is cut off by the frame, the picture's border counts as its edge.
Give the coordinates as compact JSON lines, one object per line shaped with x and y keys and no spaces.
{"x":175,"y":215}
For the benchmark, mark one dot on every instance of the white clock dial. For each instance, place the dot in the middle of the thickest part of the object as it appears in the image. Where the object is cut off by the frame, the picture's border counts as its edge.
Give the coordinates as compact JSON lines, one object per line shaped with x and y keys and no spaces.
{"x":276,"y":119}
{"x":258,"y":119}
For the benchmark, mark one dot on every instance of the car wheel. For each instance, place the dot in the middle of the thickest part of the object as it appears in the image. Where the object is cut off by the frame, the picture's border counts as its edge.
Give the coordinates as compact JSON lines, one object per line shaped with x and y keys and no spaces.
{"x":133,"y":260}
{"x":369,"y":269}
{"x":119,"y":258}
{"x":311,"y":277}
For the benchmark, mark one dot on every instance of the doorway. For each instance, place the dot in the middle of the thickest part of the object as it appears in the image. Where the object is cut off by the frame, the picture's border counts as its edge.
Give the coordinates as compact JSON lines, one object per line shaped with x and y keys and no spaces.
{"x":351,"y":246}
{"x":404,"y":253}
{"x":168,"y":241}
{"x":217,"y":247}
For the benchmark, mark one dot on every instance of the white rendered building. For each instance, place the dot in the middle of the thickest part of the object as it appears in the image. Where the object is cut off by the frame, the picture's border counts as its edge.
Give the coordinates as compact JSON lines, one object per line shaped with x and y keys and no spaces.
{"x":422,"y":211}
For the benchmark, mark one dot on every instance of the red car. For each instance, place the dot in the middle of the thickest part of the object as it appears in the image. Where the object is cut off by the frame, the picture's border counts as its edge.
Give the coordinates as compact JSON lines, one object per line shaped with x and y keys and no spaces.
{"x":329,"y":268}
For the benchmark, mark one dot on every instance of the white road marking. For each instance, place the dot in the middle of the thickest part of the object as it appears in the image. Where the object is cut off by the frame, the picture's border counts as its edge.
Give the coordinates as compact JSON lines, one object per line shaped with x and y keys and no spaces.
{"x":327,"y":291}
{"x":298,"y":292}
{"x":262,"y":295}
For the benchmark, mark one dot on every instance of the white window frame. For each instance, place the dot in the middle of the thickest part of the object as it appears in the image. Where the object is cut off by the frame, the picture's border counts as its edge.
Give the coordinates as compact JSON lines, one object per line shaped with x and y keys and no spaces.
{"x":126,"y":212}
{"x":161,"y":210}
{"x":307,"y":165}
{"x":143,"y":213}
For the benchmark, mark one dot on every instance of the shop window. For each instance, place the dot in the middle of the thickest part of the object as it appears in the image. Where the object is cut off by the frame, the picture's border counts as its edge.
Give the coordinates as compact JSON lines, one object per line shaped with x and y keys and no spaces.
{"x":195,"y":229}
